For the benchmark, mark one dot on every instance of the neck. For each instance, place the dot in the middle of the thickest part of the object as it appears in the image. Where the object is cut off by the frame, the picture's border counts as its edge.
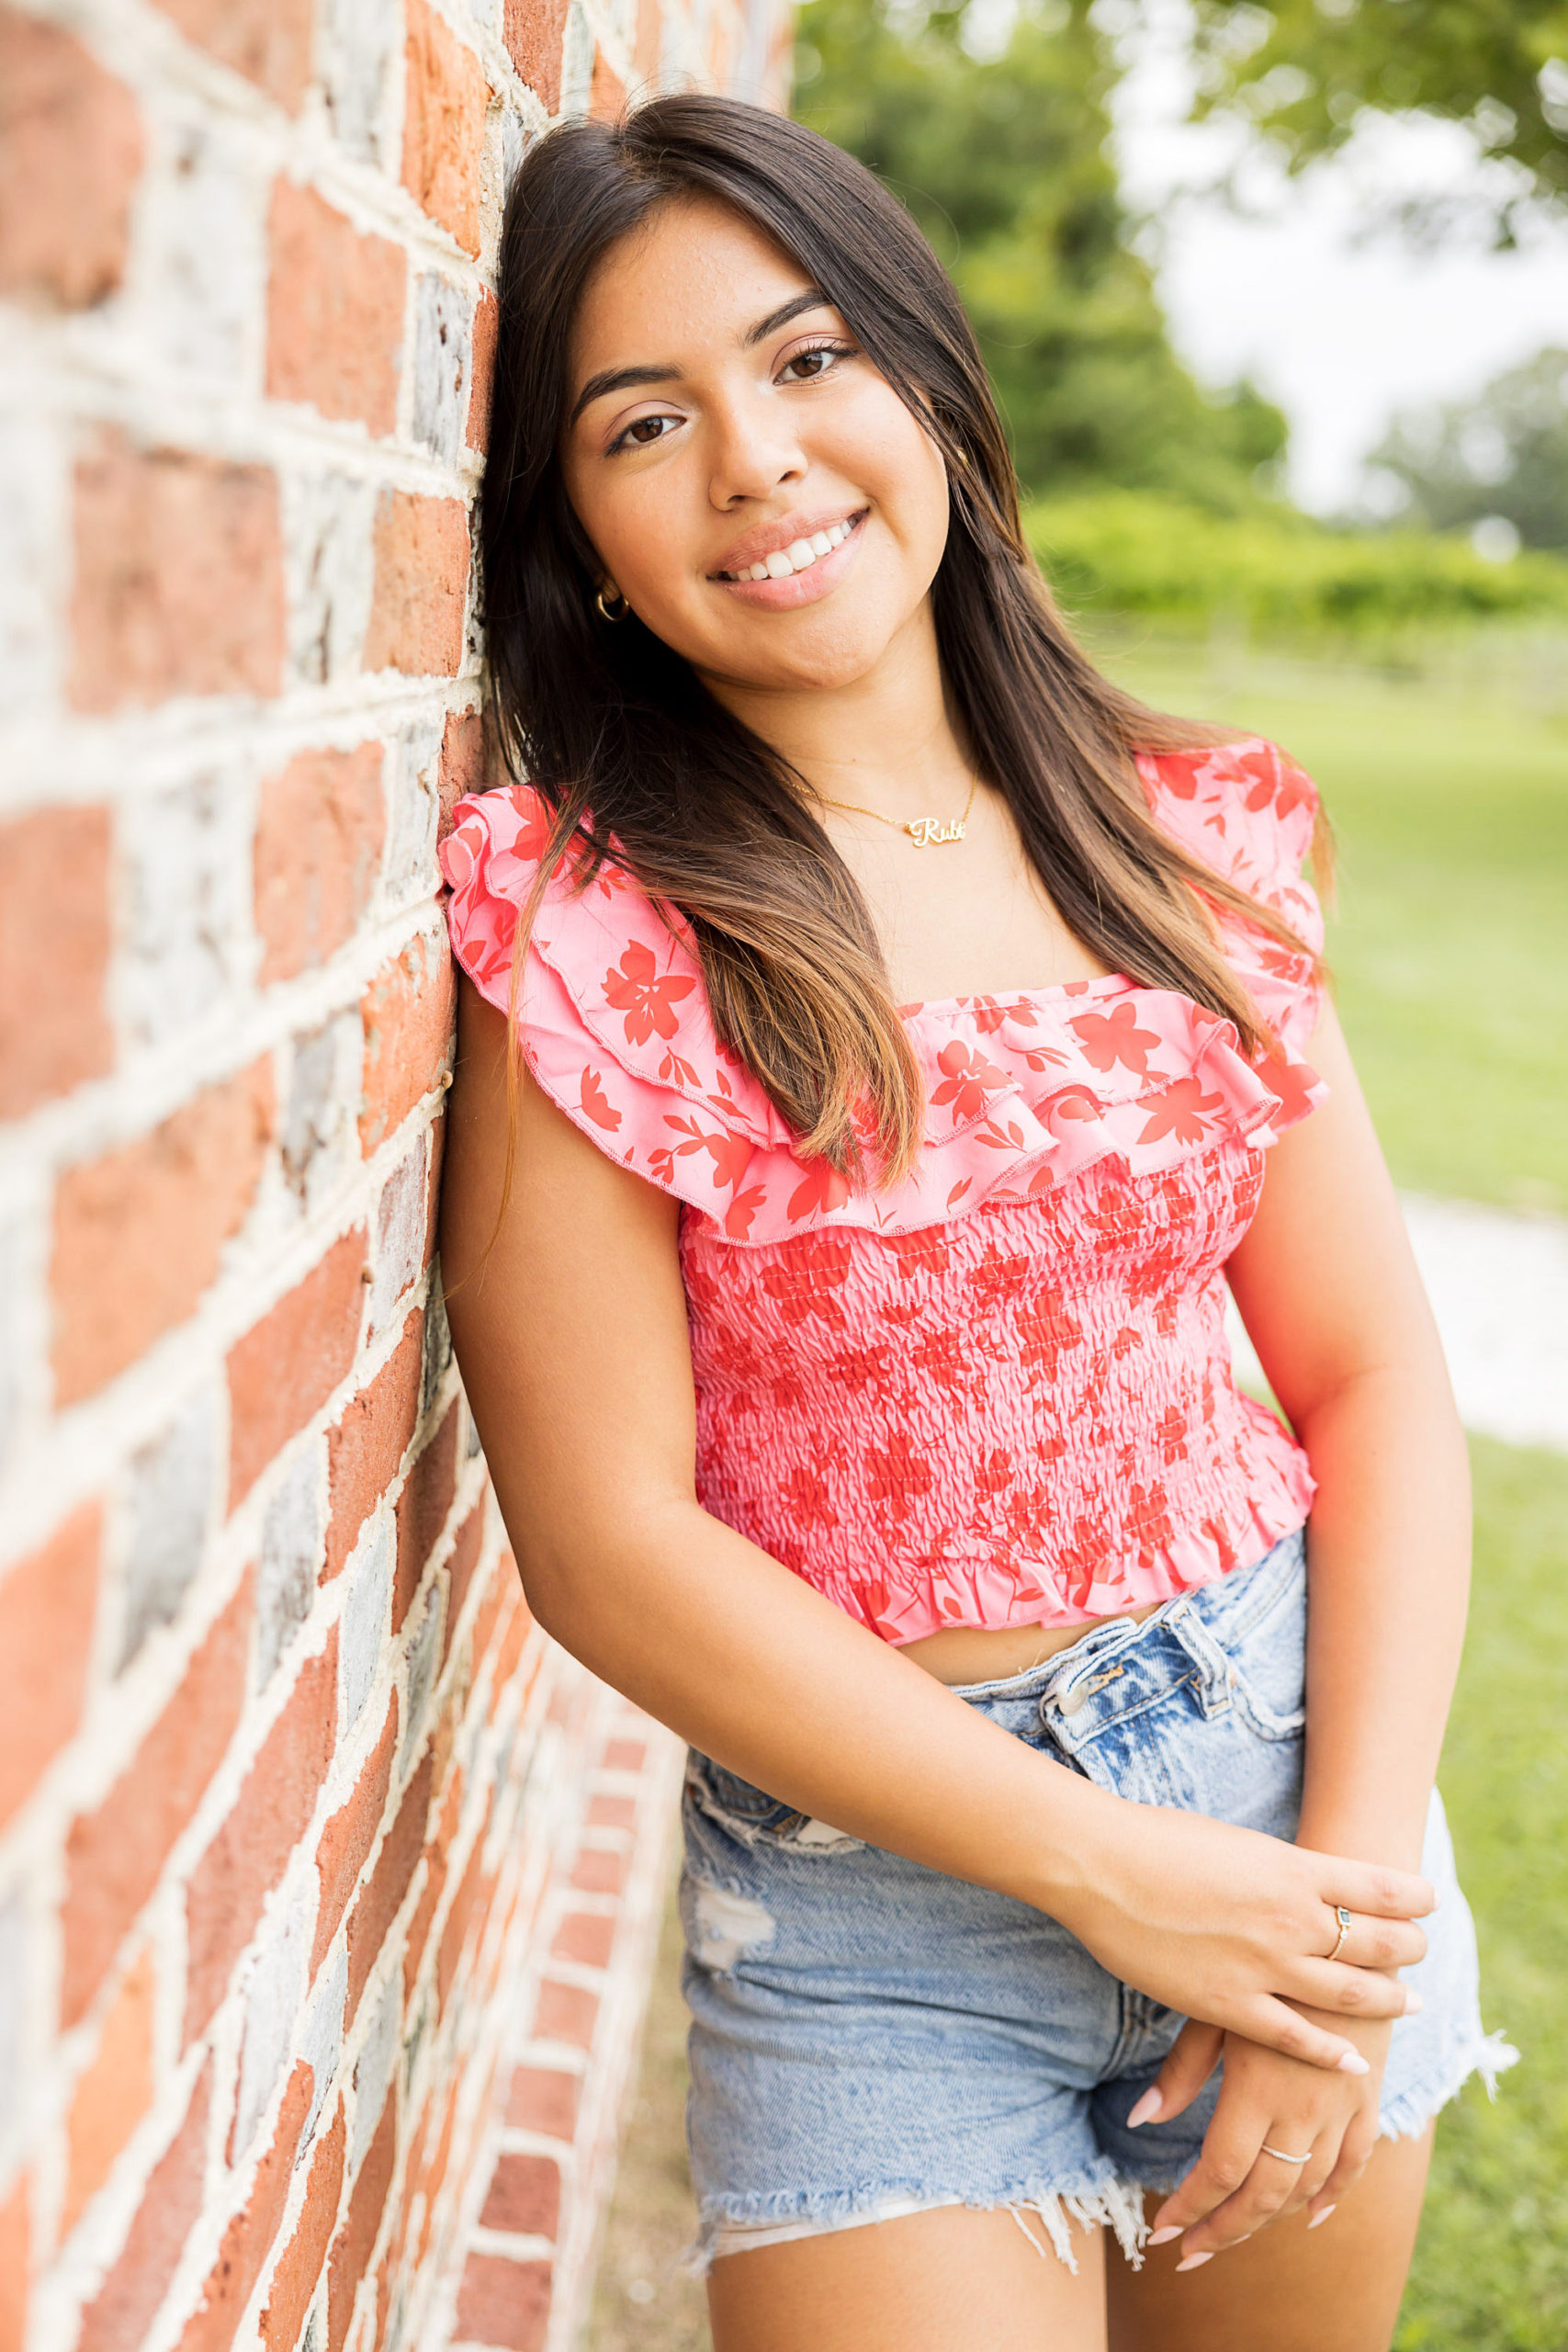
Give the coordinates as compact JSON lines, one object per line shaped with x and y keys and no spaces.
{"x":885,"y":740}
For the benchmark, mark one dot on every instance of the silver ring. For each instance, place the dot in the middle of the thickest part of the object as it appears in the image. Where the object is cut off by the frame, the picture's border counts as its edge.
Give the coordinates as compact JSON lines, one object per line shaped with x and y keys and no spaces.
{"x":1285,"y":2158}
{"x":1344,"y":1919}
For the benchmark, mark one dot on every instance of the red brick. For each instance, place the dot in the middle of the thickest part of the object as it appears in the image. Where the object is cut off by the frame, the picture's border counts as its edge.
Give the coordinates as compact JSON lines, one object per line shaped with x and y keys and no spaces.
{"x":564,"y":2013}
{"x":523,"y":2195}
{"x":598,"y":1872}
{"x":287,"y":1366}
{"x":47,"y":1604}
{"x":350,"y":1833}
{"x":510,"y":1648}
{"x":421,"y":1511}
{"x":421,"y":585}
{"x":382,"y":1897}
{"x":534,"y":32}
{"x":15,"y":2260}
{"x":544,"y":2098}
{"x":606,"y":91}
{"x":625,"y":1756}
{"x":246,"y":1858}
{"x":612,"y":1813}
{"x":179,"y":578}
{"x":118,"y":2316}
{"x":407,"y":1018}
{"x":357,"y":2239}
{"x":453,"y":1935}
{"x":248,"y":2240}
{"x":460,"y":1566}
{"x":445,"y":100}
{"x":462,"y":761}
{"x":317,"y":855}
{"x":587,"y":1937}
{"x":438,"y":1847}
{"x":432,"y":2176}
{"x":505,"y":2303}
{"x":266,"y":41}
{"x":334,"y":323}
{"x":366,"y":1447}
{"x":482,"y":371}
{"x":114,"y":1856}
{"x":54,"y":917}
{"x":138,"y":1235}
{"x":300,"y":2264}
{"x":113,"y":2091}
{"x":71,"y":153}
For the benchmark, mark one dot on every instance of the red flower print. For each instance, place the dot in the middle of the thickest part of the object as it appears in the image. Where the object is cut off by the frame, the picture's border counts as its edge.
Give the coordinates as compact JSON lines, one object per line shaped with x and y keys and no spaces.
{"x":1001,"y":1138}
{"x":804,"y":1496}
{"x":1293,"y":1083}
{"x":674,"y":1068}
{"x":1039,"y":1057}
{"x":999,"y":1277}
{"x":1219,"y":1536}
{"x":1183,"y":1110}
{"x":595,"y":1103}
{"x":923,"y":1253}
{"x":1171,"y":1436}
{"x":742,"y":1209}
{"x":804,"y":1274}
{"x":859,"y":1369}
{"x":993,"y":1475}
{"x":1073,"y":1102}
{"x":944,"y":1358}
{"x":1148,"y":1521}
{"x":1110,"y":1038}
{"x":824,"y":1189}
{"x":897,"y":1477}
{"x":1045,"y":1331}
{"x":958,"y":1191}
{"x":644,"y":995}
{"x":967,"y":1079}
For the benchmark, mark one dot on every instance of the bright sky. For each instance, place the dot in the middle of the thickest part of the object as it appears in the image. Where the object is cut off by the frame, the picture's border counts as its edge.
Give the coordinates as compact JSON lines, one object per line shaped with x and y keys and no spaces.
{"x":1340,"y":329}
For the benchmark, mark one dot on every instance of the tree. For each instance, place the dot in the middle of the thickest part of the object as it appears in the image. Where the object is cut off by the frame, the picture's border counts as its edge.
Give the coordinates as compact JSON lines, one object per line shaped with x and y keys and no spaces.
{"x":1305,"y":70}
{"x":1003,"y":163}
{"x":1504,"y":452}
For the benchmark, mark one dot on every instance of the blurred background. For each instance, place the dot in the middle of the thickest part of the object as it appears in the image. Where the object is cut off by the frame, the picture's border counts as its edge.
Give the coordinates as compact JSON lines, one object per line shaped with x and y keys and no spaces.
{"x":1275,"y":301}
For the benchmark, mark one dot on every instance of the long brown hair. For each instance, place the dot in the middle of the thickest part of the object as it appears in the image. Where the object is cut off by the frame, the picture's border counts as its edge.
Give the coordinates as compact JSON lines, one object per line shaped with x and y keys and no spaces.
{"x":705,"y":817}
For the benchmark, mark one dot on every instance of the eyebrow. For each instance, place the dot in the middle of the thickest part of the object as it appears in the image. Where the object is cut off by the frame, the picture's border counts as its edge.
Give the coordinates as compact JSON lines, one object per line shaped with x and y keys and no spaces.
{"x":620,"y":379}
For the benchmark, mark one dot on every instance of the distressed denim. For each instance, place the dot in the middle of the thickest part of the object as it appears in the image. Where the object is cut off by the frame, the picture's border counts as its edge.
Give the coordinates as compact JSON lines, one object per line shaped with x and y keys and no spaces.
{"x":870,"y":2036}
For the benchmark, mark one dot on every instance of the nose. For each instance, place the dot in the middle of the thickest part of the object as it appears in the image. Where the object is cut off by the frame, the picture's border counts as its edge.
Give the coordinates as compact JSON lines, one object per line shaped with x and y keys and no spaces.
{"x":755,"y":449}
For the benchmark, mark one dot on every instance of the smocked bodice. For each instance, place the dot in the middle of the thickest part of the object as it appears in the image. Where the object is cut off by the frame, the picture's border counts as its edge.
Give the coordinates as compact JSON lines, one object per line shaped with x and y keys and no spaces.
{"x":998,"y":1393}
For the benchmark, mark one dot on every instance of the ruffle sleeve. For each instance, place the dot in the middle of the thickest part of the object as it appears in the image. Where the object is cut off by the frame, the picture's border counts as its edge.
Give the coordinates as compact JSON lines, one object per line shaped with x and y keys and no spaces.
{"x":1023,"y":1092}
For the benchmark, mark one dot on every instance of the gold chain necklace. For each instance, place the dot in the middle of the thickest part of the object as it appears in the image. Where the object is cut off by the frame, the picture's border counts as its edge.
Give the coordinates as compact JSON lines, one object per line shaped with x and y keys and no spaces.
{"x":924,"y":831}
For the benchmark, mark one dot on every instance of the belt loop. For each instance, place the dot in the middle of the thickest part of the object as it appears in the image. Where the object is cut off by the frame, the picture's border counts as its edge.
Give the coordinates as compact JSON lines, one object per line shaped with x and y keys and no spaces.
{"x":1216,"y":1675}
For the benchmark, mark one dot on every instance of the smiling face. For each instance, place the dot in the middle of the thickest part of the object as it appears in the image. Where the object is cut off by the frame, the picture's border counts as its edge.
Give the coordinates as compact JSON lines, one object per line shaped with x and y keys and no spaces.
{"x":752,"y":486}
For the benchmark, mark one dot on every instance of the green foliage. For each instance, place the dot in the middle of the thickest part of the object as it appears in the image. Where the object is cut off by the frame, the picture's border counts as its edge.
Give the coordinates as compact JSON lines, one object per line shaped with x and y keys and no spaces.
{"x":1504,"y":452}
{"x":1275,"y":572}
{"x":1003,"y":163}
{"x":1305,"y":70}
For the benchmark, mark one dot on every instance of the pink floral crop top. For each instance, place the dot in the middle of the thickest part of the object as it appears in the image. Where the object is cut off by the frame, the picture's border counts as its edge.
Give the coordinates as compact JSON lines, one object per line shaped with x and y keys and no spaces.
{"x":1000,"y":1394}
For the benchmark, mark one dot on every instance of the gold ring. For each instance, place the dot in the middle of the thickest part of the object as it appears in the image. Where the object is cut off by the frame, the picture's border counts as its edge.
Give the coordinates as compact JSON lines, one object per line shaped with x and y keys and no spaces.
{"x":1344,"y":1919}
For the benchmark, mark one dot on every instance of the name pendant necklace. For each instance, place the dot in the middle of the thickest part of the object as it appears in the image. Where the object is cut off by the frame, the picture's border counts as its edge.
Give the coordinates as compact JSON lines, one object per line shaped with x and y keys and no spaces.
{"x":926,"y":832}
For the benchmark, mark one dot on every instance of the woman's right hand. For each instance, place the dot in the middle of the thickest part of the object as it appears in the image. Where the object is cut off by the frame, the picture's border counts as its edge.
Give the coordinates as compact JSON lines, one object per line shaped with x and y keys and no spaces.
{"x":1230,"y":1925}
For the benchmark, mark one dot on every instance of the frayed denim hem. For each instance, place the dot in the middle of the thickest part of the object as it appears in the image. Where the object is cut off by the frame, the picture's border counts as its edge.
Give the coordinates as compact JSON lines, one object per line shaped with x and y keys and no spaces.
{"x":1112,"y":2204}
{"x":1408,"y":2116}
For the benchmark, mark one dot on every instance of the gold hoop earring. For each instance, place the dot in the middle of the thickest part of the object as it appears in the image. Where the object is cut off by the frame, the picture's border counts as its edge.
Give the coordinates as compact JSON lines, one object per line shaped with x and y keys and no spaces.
{"x":619,"y":614}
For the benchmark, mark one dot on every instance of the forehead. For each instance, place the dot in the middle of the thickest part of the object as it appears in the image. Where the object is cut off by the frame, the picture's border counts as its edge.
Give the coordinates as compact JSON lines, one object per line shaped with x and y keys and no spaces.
{"x":693,"y":276}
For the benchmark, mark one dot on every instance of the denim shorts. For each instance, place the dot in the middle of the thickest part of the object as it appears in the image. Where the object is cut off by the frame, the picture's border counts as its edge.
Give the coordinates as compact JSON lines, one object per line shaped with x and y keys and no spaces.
{"x":871,"y":2038}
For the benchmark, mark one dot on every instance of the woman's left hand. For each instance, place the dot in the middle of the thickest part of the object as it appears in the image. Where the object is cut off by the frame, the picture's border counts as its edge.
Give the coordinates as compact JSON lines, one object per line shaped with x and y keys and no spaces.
{"x":1267,"y":2101}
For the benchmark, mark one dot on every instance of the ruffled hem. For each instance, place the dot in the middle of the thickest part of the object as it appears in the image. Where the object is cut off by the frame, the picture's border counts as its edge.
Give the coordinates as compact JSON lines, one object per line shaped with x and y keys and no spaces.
{"x":1023,"y":1092}
{"x":906,"y":1601}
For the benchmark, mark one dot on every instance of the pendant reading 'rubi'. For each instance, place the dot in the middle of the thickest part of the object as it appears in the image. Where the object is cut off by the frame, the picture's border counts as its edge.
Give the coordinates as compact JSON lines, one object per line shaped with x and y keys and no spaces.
{"x":930,"y":831}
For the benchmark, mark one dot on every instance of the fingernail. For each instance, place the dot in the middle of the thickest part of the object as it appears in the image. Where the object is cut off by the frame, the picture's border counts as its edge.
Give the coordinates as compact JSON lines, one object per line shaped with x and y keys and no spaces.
{"x":1354,"y":2064}
{"x":1322,"y":2216}
{"x":1193,"y":2260}
{"x":1412,"y":2001}
{"x":1163,"y":2237}
{"x":1148,"y":2107}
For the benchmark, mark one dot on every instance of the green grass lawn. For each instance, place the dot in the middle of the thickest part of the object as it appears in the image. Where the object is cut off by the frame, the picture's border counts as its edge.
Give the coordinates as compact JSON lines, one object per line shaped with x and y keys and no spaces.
{"x":1450,"y":940}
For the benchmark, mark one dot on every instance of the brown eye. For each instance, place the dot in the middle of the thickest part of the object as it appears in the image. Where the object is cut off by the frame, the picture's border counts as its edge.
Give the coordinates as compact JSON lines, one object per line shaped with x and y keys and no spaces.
{"x":643,"y":432}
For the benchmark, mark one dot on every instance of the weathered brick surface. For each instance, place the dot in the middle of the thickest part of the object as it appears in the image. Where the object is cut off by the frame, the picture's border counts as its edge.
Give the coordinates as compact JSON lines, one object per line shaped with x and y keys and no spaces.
{"x":138,"y":1235}
{"x":161,"y":537}
{"x":334,"y":326}
{"x":296,"y":1788}
{"x":71,"y":149}
{"x":318,"y":848}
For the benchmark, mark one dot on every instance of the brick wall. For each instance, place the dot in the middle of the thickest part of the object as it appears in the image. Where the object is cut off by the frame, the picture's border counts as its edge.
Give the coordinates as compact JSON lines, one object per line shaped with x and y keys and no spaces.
{"x":325,"y":1881}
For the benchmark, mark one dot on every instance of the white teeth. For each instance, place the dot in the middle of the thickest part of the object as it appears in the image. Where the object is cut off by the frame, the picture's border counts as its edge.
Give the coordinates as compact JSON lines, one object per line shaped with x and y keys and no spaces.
{"x":757,"y":571}
{"x":801,"y":554}
{"x":779,"y":566}
{"x":820,"y":543}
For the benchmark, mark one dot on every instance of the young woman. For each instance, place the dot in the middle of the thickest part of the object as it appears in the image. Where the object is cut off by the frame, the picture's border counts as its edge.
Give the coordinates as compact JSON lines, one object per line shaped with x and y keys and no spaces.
{"x":882,"y":1042}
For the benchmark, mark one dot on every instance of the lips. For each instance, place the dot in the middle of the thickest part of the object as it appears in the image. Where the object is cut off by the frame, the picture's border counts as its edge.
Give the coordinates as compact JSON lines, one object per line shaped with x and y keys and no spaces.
{"x":792,"y":545}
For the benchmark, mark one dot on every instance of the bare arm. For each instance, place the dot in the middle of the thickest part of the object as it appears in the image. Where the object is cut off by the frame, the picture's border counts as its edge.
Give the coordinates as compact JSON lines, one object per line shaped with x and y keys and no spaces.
{"x":571,"y":1335}
{"x":1330,"y":1294}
